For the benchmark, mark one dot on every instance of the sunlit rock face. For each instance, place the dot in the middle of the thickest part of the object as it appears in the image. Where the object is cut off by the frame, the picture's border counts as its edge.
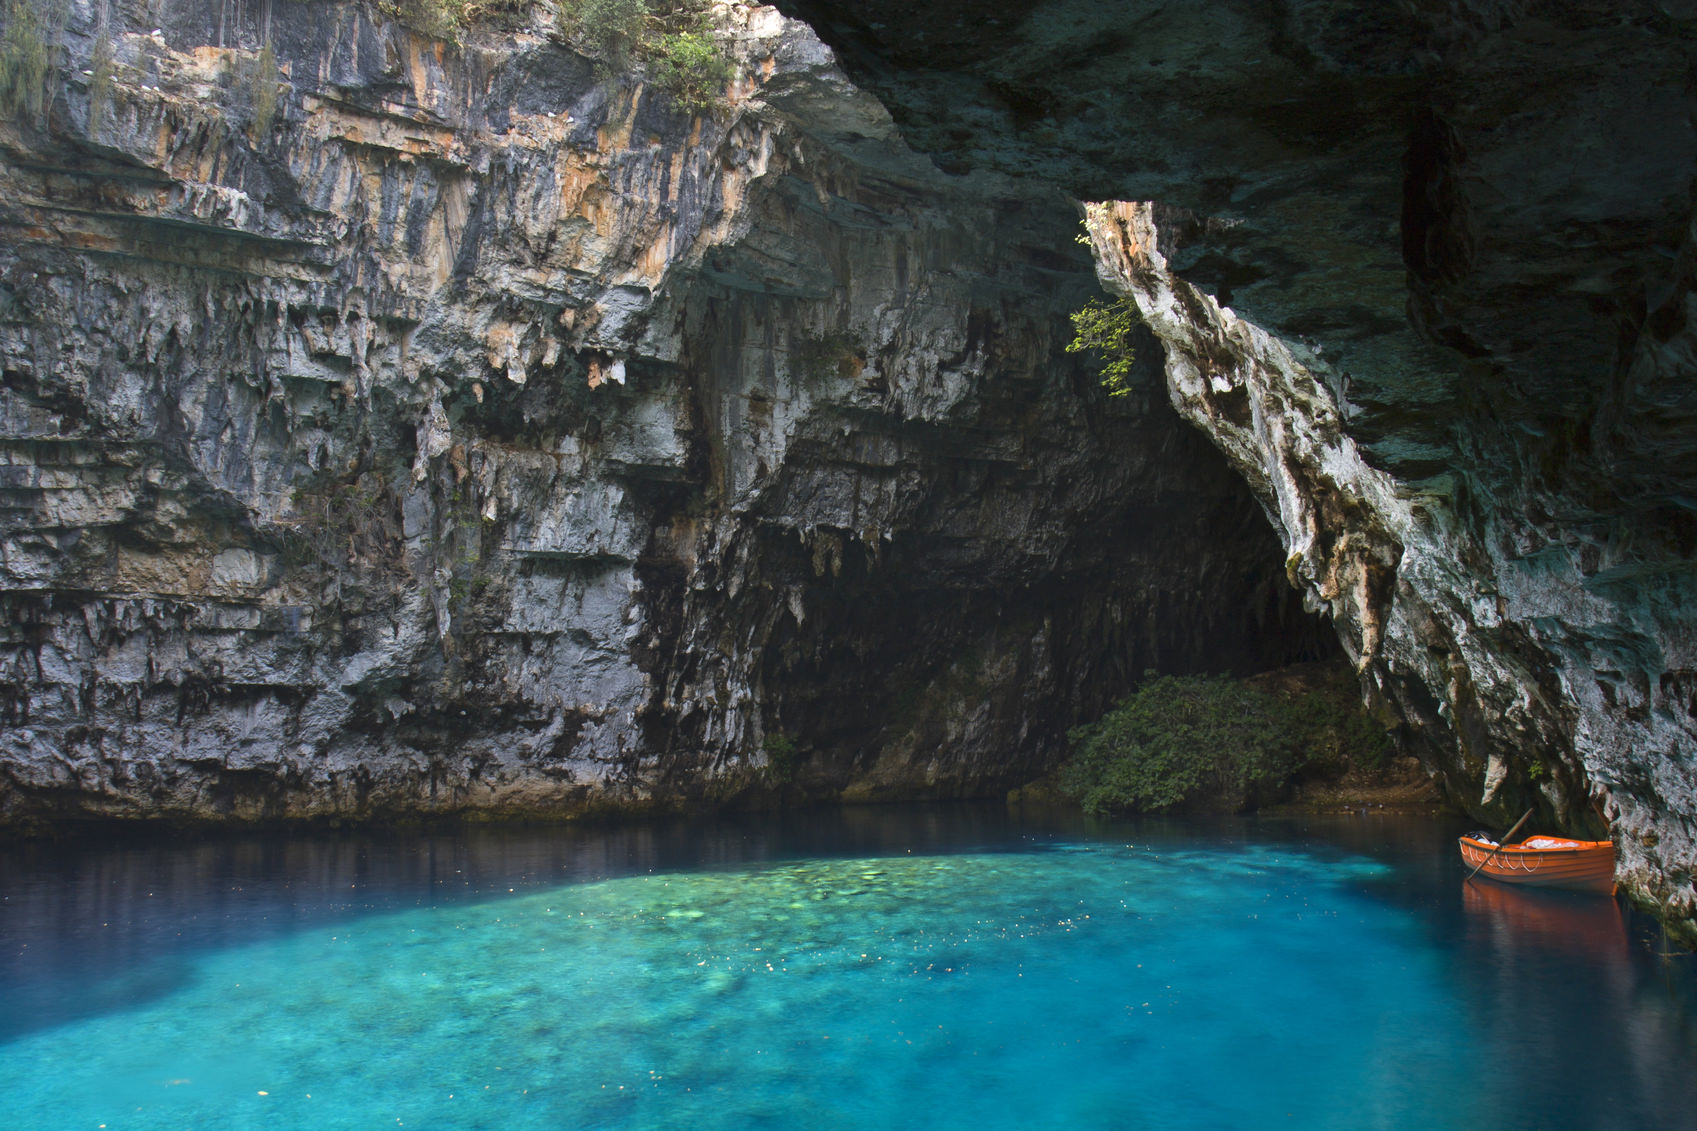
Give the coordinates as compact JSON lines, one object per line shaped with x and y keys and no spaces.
{"x":479,"y":433}
{"x":1424,"y":272}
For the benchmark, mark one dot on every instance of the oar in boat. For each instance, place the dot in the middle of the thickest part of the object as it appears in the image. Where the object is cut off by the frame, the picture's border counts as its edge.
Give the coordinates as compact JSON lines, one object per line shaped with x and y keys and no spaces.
{"x":1500,"y":844}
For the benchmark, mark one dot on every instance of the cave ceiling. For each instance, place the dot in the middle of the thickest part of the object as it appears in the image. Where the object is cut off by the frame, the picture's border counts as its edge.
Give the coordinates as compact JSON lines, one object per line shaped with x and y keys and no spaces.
{"x":1464,"y":209}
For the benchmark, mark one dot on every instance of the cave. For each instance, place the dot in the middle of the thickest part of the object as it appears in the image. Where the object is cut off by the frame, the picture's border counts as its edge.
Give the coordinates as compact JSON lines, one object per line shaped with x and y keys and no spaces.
{"x":404,"y":427}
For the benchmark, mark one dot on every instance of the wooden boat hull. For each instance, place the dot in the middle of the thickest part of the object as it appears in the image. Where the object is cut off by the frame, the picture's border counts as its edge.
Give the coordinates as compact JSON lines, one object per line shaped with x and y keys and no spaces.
{"x":1587,"y":866}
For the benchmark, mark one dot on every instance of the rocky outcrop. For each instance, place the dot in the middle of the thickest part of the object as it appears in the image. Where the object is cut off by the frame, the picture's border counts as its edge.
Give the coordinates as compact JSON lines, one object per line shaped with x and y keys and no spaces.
{"x":417,"y":428}
{"x":1489,"y":657}
{"x":1424,"y":272}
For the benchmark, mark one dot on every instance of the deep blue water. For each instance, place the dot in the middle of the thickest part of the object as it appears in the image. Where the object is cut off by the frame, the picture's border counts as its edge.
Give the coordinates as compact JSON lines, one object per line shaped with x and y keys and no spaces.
{"x":938,"y":967}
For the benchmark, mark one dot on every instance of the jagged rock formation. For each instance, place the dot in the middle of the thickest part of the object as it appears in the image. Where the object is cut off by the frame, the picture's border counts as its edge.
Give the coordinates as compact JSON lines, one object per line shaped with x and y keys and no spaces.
{"x":420,"y":428}
{"x":1458,"y":236}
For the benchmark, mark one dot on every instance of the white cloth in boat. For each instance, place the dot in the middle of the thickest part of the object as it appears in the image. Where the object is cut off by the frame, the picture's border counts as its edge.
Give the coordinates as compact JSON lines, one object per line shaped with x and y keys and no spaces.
{"x":1549,"y":842}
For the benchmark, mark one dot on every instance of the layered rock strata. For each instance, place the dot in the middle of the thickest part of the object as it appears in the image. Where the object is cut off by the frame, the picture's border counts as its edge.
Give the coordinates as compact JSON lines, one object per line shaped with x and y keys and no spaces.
{"x":417,"y":428}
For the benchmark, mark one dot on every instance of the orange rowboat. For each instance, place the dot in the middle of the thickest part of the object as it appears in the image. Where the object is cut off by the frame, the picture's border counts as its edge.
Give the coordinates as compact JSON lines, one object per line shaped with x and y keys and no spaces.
{"x":1545,"y":861}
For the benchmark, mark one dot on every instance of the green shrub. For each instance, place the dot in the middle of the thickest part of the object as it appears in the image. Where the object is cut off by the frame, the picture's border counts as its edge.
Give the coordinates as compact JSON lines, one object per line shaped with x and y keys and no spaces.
{"x":780,"y":752}
{"x":1184,"y":742}
{"x":611,"y":30}
{"x":674,"y":36}
{"x":439,"y":19}
{"x":1108,"y":330}
{"x":692,"y":68}
{"x":1217,"y":744}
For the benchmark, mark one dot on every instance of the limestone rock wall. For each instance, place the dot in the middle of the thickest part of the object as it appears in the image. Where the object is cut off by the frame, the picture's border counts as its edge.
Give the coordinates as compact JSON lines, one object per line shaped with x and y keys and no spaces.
{"x":1424,"y":271}
{"x":476,"y":432}
{"x":1506,"y":667}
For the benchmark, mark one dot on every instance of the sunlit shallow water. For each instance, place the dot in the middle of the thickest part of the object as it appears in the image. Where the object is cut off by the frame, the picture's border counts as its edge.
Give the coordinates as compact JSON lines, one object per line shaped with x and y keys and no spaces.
{"x":915,"y":968}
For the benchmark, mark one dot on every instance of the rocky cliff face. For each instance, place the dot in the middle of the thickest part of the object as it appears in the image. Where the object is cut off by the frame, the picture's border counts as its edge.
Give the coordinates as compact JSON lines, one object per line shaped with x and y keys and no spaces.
{"x":398,"y":427}
{"x":1424,"y":272}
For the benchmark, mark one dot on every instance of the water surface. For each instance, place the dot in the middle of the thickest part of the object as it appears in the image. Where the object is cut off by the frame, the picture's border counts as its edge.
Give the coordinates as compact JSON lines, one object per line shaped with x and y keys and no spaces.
{"x":947,"y":967}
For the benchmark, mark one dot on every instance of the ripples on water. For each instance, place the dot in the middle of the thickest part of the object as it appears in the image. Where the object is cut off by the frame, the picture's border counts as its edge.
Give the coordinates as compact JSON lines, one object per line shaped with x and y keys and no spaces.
{"x":944,"y":967}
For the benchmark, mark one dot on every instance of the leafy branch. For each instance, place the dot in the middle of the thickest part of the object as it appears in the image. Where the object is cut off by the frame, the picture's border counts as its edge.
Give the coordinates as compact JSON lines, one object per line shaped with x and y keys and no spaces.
{"x":1108,"y":330}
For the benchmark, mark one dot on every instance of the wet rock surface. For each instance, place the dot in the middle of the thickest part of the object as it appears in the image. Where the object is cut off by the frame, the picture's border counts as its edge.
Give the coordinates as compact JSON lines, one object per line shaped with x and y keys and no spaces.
{"x":478,"y":434}
{"x":1424,"y":272}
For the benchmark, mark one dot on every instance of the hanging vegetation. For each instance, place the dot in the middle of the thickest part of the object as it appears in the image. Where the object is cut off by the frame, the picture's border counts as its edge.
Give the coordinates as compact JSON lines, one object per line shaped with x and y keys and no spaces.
{"x":25,"y":63}
{"x":1107,"y":330}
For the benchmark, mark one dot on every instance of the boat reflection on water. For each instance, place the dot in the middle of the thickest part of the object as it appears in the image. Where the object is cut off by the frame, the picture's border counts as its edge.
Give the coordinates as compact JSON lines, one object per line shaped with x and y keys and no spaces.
{"x":1546,"y":919}
{"x":1546,"y":970}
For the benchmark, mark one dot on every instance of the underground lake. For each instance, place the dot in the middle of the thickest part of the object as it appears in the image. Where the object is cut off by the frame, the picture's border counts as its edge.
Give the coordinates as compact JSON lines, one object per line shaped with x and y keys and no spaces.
{"x":943,"y":966}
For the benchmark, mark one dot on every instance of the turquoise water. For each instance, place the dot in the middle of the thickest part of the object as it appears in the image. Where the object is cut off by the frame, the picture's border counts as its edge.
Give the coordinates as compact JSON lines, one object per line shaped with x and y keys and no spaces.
{"x":985,"y":973}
